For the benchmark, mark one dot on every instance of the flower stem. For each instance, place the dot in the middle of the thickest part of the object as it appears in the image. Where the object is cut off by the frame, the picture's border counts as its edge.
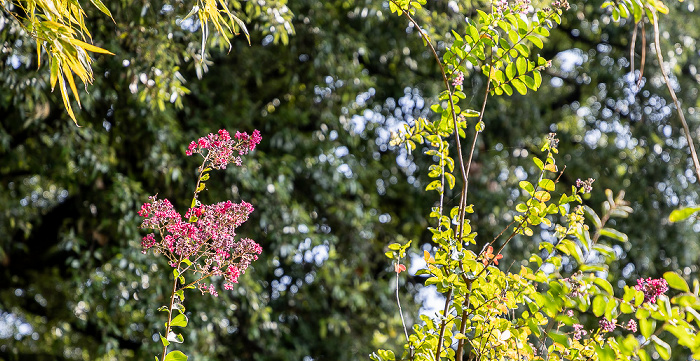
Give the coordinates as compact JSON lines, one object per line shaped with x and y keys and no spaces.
{"x":170,"y":315}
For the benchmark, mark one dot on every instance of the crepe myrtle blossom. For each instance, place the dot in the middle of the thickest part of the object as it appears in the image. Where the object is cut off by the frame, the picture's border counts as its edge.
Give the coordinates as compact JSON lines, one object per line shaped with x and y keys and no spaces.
{"x":652,"y":288}
{"x":210,"y":240}
{"x":579,"y":331}
{"x":203,"y":241}
{"x":607,"y":325}
{"x":221,"y":149}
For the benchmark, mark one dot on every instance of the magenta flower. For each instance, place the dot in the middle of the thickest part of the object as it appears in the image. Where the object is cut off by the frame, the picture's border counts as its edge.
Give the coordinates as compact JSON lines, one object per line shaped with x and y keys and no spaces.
{"x":631,"y":325}
{"x":220,"y":149}
{"x":652,"y":288}
{"x":459,"y":79}
{"x":203,"y":241}
{"x":579,"y":332}
{"x":607,"y":325}
{"x":209,"y":240}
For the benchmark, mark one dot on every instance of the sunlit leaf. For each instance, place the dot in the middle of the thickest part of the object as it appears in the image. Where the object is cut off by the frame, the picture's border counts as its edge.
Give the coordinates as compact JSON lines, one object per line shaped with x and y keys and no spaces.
{"x":676,"y":281}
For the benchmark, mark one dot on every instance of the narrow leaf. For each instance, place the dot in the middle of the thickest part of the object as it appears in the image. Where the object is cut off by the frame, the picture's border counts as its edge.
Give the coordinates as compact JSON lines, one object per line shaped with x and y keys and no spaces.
{"x":71,"y":82}
{"x":682,"y":214}
{"x":98,"y":4}
{"x":614,"y":234}
{"x":89,"y":47}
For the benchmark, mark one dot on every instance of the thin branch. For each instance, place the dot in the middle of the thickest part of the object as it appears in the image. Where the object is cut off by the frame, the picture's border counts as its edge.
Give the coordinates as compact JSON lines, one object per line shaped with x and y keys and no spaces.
{"x":644,"y":55}
{"x":443,"y":323}
{"x":659,"y":56}
{"x":632,"y":46}
{"x":398,"y":301}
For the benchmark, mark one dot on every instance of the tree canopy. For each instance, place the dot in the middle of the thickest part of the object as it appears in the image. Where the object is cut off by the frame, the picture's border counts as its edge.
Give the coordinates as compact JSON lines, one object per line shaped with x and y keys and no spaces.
{"x":326,"y":83}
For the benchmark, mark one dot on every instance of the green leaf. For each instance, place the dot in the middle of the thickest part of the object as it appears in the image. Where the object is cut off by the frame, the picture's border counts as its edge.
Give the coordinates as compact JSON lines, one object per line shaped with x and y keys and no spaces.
{"x":54,"y":72}
{"x":433,"y":185}
{"x":527,"y":186}
{"x":450,"y":180}
{"x":559,"y":337}
{"x":682,"y":214}
{"x":179,"y":321}
{"x":164,"y":340}
{"x":662,"y":347}
{"x":510,"y":70}
{"x":605,"y":285}
{"x":522,"y":65}
{"x":89,"y":47}
{"x":98,"y":4}
{"x":546,"y":184}
{"x":676,"y":281}
{"x":646,"y":327}
{"x":175,"y":356}
{"x":507,"y":89}
{"x":614,"y":234}
{"x":536,"y":41}
{"x":643,"y":355}
{"x":538,"y":163}
{"x":599,"y":303}
{"x":519,"y":86}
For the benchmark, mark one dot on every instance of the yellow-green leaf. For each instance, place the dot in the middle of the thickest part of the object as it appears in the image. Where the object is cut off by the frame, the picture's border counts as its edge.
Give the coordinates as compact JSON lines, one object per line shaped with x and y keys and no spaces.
{"x":38,"y":54}
{"x":676,"y":281}
{"x":98,"y":4}
{"x":175,"y":356}
{"x":66,"y":100}
{"x":54,"y":72}
{"x":89,"y":47}
{"x":179,"y":321}
{"x":683,"y":213}
{"x":71,"y":82}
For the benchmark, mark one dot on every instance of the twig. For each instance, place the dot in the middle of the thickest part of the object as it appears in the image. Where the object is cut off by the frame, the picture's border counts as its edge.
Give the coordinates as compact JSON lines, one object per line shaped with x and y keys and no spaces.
{"x":398,"y":301}
{"x":443,"y":323}
{"x":659,"y":56}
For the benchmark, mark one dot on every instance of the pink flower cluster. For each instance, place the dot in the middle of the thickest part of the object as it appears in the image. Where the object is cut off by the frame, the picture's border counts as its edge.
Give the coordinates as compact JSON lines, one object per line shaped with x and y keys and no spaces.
{"x":459,"y":79}
{"x":585,"y":186}
{"x":518,"y":6}
{"x":579,"y":332}
{"x":209,"y":241}
{"x":221,"y":149}
{"x":607,"y":325}
{"x":652,"y":288}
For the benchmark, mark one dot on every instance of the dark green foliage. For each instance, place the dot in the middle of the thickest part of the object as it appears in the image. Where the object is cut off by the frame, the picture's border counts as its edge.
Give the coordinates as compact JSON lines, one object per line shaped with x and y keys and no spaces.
{"x":70,"y":259}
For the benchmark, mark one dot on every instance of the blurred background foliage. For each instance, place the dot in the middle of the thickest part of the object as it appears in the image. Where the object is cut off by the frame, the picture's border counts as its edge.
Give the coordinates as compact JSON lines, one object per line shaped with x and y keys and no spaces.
{"x":325,"y":82}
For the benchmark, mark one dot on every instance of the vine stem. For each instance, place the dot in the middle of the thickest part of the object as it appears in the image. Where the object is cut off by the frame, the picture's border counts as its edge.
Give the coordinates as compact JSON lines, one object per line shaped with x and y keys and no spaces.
{"x":660,"y":57}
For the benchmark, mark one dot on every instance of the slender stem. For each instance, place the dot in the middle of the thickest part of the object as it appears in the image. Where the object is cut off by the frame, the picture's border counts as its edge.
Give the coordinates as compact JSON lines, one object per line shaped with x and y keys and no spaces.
{"x":644,"y":55}
{"x":170,"y":315}
{"x":398,"y":301}
{"x":632,"y":46}
{"x":443,"y":323}
{"x":659,"y":56}
{"x":463,"y":325}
